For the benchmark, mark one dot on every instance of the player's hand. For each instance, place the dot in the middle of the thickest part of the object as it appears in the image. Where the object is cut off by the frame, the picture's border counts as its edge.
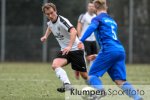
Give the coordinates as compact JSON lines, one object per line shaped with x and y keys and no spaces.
{"x":66,"y":50}
{"x":80,"y":46}
{"x":43,"y":39}
{"x":92,"y":57}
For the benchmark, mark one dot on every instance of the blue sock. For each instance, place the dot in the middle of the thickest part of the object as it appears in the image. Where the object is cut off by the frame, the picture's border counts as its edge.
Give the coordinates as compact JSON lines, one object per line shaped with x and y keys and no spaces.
{"x":130,"y":91}
{"x":95,"y":82}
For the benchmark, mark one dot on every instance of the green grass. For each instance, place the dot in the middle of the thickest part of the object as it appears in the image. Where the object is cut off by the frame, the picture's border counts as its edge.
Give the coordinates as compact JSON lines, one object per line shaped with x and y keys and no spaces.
{"x":37,"y":81}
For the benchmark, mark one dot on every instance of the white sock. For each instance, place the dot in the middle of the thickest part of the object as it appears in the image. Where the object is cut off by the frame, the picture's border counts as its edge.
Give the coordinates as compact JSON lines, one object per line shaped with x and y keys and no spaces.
{"x":62,"y":75}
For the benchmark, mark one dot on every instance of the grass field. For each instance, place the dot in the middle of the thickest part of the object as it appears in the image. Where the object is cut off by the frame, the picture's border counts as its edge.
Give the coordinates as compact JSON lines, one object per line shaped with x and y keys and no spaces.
{"x":37,"y":81}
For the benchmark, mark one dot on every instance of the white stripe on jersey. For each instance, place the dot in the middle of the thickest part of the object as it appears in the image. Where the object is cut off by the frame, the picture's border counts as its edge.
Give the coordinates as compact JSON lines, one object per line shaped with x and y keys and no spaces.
{"x":61,"y":31}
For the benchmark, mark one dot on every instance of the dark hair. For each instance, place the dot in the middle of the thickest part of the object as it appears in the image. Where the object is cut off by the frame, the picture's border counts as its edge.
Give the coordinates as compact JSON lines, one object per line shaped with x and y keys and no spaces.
{"x":47,"y":6}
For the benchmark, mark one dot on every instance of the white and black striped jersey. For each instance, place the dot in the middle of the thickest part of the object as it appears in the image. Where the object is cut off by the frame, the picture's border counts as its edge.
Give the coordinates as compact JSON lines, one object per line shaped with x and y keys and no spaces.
{"x":85,"y":19}
{"x":61,"y":31}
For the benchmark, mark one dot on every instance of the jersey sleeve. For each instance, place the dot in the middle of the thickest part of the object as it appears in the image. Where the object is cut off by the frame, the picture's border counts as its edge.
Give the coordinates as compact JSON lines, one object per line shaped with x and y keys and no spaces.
{"x":49,"y":24}
{"x":92,"y":27}
{"x":81,"y":18}
{"x":66,"y":24}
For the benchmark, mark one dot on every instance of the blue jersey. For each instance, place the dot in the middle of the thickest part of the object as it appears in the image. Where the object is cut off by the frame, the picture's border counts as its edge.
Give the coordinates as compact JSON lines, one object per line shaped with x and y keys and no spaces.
{"x":105,"y":29}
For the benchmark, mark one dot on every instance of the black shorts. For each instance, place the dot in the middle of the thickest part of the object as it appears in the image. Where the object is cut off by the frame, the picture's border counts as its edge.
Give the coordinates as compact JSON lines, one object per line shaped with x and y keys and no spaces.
{"x":90,"y":47}
{"x":76,"y":58}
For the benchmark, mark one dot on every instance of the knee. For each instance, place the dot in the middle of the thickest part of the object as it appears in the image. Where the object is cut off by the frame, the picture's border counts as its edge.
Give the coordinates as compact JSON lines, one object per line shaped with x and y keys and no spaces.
{"x":119,"y":82}
{"x":54,"y":65}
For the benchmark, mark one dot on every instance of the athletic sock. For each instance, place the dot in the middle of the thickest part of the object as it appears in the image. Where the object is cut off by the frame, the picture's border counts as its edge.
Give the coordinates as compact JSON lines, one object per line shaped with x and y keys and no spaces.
{"x":95,"y":82}
{"x":130,"y":91}
{"x":62,"y":75}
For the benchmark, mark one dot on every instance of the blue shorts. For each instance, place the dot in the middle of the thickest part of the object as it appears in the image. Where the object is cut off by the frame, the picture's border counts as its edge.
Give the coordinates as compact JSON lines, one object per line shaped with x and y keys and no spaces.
{"x":111,"y":62}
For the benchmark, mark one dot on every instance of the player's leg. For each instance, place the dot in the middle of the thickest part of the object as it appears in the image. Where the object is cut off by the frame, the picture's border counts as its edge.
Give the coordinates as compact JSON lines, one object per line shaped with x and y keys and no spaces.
{"x":100,"y":65}
{"x":77,"y":74}
{"x":57,"y":65}
{"x":87,"y":47}
{"x":118,"y":74}
{"x":78,"y":63}
{"x":92,"y":52}
{"x":84,"y":75}
{"x":79,"y":58}
{"x":126,"y":86}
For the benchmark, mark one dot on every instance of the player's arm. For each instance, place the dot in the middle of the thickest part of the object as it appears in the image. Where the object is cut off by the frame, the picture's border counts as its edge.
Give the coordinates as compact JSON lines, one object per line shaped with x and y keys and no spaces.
{"x":73,"y":34}
{"x":79,"y":28}
{"x":92,"y":27}
{"x":47,"y":33}
{"x":80,"y":25}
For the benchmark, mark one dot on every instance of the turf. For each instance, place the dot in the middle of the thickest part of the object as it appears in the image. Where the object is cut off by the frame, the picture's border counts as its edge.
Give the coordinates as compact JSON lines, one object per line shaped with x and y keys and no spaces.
{"x":37,"y":81}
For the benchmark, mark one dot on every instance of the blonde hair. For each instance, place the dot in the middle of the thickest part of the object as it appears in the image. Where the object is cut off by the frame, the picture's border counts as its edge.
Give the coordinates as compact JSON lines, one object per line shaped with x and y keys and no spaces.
{"x":100,"y":4}
{"x":47,"y":6}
